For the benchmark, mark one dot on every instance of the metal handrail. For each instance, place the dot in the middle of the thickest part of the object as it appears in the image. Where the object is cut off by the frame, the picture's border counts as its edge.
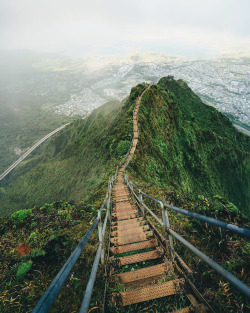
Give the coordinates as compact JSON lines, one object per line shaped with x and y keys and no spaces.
{"x":52,"y":291}
{"x":210,"y":220}
{"x":238,"y":284}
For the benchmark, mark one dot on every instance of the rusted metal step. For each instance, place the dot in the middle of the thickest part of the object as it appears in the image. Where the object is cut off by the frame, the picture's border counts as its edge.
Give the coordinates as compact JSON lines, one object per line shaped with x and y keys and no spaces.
{"x":124,"y":206}
{"x":129,"y":226}
{"x":131,"y":239}
{"x":134,"y":246}
{"x":143,"y":234}
{"x":126,"y":226}
{"x":127,"y":222}
{"x":184,"y":310}
{"x":139,"y":257}
{"x":124,"y":210}
{"x":149,"y":293}
{"x":120,"y":194}
{"x":129,"y":231}
{"x":124,"y":216}
{"x":142,"y":276}
{"x":123,"y":230}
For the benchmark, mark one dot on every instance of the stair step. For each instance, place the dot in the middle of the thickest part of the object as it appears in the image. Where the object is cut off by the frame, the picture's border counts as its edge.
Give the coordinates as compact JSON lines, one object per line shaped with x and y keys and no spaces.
{"x":121,"y":200}
{"x":184,"y":310}
{"x":123,"y":216}
{"x":123,"y":205}
{"x":132,"y":238}
{"x":129,"y":226}
{"x":124,"y":210}
{"x":141,"y":276}
{"x":139,"y":257}
{"x":151,"y":292}
{"x":127,"y":222}
{"x":125,"y":231}
{"x":134,"y":246}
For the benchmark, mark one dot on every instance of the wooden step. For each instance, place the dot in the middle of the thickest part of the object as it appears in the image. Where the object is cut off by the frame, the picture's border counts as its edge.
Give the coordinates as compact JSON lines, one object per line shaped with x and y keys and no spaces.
{"x":124,"y":199}
{"x":184,"y":310}
{"x":142,"y":276}
{"x":130,"y":226}
{"x":132,"y":238}
{"x":125,"y":230}
{"x":124,"y":211}
{"x":134,"y":246}
{"x":151,"y":292}
{"x":129,"y":231}
{"x":127,"y":222}
{"x":139,"y":257}
{"x":124,"y":216}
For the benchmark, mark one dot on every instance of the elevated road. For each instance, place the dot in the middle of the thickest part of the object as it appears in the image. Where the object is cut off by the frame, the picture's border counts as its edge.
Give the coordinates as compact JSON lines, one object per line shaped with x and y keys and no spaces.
{"x":9,"y":169}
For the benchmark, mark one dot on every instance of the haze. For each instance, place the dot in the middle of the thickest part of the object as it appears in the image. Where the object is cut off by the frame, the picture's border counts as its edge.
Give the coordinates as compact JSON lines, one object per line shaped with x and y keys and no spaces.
{"x":79,"y":27}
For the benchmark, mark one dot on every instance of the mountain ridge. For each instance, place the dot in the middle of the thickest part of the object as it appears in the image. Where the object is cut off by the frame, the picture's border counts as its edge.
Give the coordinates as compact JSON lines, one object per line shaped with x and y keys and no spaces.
{"x":75,"y":164}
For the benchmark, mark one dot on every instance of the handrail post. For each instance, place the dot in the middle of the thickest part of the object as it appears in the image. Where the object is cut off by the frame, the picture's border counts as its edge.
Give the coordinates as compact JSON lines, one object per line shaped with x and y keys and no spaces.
{"x":167,"y":226}
{"x":100,"y":236}
{"x":141,"y":206}
{"x":132,"y":192}
{"x":109,"y":200}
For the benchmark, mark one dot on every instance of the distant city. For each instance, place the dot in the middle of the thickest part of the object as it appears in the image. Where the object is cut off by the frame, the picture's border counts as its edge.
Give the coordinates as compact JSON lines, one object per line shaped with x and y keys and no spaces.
{"x":40,"y":92}
{"x":222,"y":82}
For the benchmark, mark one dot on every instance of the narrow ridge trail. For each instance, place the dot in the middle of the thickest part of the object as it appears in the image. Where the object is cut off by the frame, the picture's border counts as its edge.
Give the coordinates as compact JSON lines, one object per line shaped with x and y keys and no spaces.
{"x":133,"y":241}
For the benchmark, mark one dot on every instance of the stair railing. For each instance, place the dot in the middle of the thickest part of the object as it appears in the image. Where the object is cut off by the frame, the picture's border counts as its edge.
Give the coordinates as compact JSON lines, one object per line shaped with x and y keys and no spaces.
{"x":53,"y":290}
{"x":233,"y":280}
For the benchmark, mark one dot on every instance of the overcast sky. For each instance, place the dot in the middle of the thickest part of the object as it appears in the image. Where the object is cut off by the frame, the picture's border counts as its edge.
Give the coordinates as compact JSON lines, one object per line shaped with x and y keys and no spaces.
{"x":176,"y":27}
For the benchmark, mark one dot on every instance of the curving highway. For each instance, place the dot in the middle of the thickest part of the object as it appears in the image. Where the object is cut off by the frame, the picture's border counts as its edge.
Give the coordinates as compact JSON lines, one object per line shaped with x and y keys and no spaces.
{"x":5,"y":173}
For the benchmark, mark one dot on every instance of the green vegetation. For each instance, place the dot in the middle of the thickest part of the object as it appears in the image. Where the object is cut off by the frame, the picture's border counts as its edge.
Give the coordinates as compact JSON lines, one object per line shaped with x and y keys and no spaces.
{"x":24,"y":120}
{"x":188,"y":153}
{"x":74,"y":164}
{"x":19,"y":216}
{"x":33,"y":252}
{"x":188,"y":146}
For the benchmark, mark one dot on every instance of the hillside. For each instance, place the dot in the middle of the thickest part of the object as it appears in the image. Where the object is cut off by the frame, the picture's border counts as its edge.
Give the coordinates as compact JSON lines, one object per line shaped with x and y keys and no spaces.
{"x":74,"y":164}
{"x":187,"y":146}
{"x":187,"y":152}
{"x":184,"y":145}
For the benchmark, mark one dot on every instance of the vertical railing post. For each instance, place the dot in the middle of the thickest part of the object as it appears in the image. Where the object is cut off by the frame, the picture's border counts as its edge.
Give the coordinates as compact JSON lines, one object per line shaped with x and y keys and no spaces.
{"x":167,"y":226}
{"x":141,"y":205}
{"x":132,"y":192}
{"x":109,"y":200}
{"x":100,"y":236}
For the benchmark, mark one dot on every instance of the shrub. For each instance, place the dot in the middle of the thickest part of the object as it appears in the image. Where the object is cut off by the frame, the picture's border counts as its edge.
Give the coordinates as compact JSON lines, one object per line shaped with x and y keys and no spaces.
{"x":23,"y":269}
{"x":19,"y":216}
{"x":122,"y":147}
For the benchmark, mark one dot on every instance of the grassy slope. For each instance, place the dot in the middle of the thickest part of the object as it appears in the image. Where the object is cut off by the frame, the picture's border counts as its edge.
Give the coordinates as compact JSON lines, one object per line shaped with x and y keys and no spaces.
{"x":75,"y":163}
{"x":55,"y":229}
{"x":186,"y":145}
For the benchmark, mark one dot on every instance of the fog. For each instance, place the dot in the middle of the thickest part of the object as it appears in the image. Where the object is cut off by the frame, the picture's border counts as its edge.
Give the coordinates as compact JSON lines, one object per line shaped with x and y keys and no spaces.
{"x":111,"y":27}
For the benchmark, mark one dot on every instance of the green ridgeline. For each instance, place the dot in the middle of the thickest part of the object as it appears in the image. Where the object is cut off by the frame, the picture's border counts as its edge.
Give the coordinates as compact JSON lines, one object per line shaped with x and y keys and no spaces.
{"x":187,"y":146}
{"x":184,"y":145}
{"x":76,"y":163}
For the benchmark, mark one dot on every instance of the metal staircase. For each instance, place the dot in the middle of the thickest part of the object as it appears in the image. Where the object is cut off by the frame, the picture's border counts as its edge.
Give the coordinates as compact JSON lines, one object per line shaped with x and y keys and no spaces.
{"x":135,"y":241}
{"x":132,"y":235}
